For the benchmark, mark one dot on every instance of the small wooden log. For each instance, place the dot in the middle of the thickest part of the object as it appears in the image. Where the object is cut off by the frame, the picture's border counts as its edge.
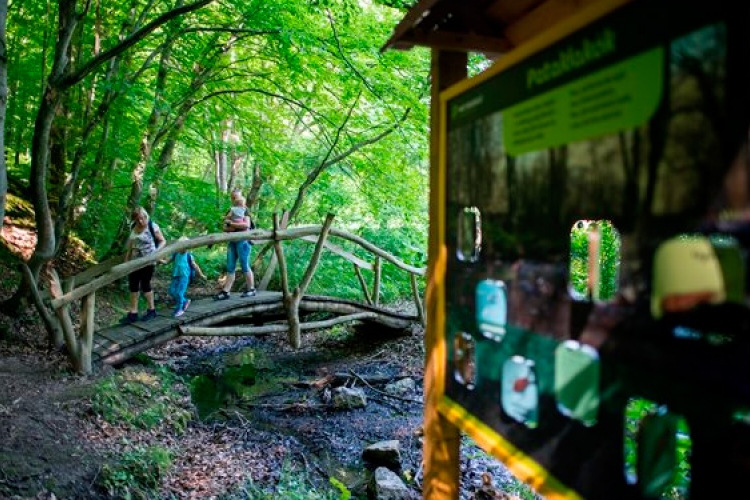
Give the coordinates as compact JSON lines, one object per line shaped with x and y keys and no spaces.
{"x":417,"y":299}
{"x":87,"y":330}
{"x":240,"y":331}
{"x":382,"y":318}
{"x":230,"y":331}
{"x":363,"y":284}
{"x":238,"y":313}
{"x":376,"y":283}
{"x":132,"y":350}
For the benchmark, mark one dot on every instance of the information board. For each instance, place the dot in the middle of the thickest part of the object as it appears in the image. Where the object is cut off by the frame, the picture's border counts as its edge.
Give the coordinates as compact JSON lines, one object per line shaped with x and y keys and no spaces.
{"x":597,"y":227}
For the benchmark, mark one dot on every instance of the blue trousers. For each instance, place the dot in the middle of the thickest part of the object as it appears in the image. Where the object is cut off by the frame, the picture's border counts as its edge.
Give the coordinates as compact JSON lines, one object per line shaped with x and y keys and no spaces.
{"x":177,"y":290}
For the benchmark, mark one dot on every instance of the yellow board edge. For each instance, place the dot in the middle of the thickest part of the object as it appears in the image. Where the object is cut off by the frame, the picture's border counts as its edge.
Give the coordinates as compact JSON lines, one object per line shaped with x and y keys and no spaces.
{"x":523,"y":467}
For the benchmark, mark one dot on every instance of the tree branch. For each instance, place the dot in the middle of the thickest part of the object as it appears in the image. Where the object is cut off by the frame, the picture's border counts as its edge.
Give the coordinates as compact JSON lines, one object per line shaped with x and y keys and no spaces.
{"x":231,"y":30}
{"x":136,"y":37}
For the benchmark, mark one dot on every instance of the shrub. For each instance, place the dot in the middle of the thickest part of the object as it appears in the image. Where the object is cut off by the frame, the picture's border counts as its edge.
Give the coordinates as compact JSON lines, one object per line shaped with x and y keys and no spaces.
{"x":137,"y":473}
{"x":294,"y":485}
{"x":142,"y":398}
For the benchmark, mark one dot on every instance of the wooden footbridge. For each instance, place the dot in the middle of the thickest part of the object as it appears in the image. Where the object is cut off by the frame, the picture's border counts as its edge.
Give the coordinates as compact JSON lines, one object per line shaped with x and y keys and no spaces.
{"x":267,"y":312}
{"x":115,"y":344}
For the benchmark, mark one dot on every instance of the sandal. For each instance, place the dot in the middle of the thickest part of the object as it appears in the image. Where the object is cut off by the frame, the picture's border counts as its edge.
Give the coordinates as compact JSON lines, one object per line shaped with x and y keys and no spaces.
{"x":222,"y":295}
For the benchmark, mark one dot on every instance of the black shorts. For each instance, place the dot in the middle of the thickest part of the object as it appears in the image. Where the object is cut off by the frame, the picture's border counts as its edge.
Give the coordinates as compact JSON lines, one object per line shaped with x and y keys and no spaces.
{"x":140,"y":280}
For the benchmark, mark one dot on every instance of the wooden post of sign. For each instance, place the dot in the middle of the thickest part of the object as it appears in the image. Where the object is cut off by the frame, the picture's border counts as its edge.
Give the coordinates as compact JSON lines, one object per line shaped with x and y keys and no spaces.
{"x":441,"y":438}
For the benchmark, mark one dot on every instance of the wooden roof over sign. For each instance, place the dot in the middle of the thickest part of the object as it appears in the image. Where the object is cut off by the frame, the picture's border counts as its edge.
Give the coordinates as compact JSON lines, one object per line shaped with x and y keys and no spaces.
{"x":491,"y":27}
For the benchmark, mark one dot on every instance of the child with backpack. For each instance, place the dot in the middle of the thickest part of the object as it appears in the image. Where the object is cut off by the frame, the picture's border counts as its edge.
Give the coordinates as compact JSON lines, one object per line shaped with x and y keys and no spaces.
{"x":184,"y":269}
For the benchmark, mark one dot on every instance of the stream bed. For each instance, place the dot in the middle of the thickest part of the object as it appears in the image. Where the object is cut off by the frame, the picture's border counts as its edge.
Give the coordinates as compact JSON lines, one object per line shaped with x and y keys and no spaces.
{"x":262,"y":387}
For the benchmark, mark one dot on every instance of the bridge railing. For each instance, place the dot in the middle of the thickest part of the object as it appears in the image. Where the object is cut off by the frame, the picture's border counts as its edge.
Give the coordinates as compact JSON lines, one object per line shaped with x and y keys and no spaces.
{"x":83,"y":287}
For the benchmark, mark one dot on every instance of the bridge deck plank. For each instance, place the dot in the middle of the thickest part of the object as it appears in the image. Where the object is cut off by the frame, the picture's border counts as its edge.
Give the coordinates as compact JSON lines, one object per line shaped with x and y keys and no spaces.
{"x":116,"y":343}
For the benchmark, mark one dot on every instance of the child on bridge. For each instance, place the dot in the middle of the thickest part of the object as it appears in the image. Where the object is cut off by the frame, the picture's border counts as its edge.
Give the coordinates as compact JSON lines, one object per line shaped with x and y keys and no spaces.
{"x":183,"y":265}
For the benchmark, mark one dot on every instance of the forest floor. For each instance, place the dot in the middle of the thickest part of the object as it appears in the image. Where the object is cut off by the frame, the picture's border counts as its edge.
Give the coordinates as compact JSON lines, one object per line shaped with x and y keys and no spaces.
{"x":52,"y":445}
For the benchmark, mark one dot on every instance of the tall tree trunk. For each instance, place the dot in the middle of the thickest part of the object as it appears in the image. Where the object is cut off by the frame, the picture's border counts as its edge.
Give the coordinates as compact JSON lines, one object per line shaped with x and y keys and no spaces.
{"x":100,"y":117}
{"x":58,"y":82}
{"x":223,"y":158}
{"x":253,"y":197}
{"x":40,"y":153}
{"x":3,"y":104}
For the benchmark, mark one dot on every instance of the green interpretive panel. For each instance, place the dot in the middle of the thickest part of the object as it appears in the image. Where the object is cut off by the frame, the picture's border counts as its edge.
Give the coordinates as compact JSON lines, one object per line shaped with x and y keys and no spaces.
{"x":634,"y":123}
{"x":619,"y":97}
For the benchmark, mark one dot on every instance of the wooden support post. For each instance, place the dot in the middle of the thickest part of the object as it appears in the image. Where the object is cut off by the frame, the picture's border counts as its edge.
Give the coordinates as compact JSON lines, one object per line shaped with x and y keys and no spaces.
{"x":291,"y":298}
{"x":63,"y":319}
{"x":274,"y":259}
{"x":292,"y":301}
{"x":417,"y":299}
{"x":441,"y":438}
{"x":87,"y":331}
{"x":376,"y":283}
{"x":280,"y":256}
{"x":56,"y":335}
{"x":69,"y":332}
{"x":315,"y":259}
{"x":363,"y":284}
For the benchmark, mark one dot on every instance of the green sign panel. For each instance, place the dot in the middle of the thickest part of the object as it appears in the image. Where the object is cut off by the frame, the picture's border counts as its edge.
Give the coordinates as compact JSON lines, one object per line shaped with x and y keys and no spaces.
{"x":619,"y":97}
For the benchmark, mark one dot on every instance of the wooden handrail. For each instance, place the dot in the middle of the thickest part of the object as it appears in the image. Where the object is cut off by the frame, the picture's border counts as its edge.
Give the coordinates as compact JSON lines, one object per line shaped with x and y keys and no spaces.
{"x":420,"y":271}
{"x":335,"y":249}
{"x":106,"y":276}
{"x":84,"y":285}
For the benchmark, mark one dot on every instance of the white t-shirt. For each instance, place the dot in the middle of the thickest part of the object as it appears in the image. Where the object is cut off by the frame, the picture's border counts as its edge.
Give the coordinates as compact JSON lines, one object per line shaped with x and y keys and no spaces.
{"x":142,"y":243}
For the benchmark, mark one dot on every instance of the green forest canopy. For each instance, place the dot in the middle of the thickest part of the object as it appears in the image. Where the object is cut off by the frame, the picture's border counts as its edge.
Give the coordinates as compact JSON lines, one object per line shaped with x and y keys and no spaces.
{"x":293,"y":102}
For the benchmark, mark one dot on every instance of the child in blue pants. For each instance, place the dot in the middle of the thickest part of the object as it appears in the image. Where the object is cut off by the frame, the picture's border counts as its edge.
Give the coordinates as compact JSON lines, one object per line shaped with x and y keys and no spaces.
{"x":182,"y":263}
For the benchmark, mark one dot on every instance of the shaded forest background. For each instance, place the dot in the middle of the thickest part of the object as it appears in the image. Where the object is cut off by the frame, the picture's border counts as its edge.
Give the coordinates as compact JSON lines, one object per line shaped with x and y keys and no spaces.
{"x":169,"y":105}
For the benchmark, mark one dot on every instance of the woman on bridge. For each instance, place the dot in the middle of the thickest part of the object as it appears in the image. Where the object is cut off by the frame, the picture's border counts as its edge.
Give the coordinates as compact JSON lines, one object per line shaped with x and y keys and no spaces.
{"x":238,"y":219}
{"x":145,"y":238}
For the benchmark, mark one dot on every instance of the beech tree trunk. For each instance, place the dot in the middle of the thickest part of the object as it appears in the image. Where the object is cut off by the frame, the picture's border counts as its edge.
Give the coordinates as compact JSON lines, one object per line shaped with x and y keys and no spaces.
{"x":3,"y":105}
{"x":60,"y":80}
